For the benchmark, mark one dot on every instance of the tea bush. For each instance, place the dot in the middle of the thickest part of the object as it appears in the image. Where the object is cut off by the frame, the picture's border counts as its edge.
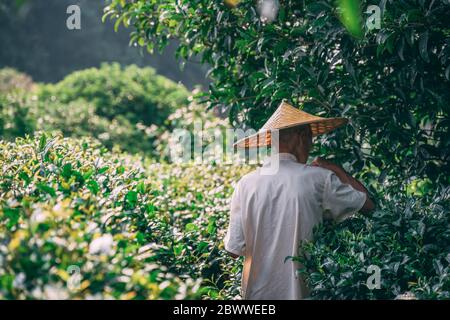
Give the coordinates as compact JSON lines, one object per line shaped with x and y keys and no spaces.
{"x":131,"y":229}
{"x":124,"y":107}
{"x":17,"y":115}
{"x":191,"y":118}
{"x":408,"y":238}
{"x":137,"y":94}
{"x":11,"y":80}
{"x":22,"y":114}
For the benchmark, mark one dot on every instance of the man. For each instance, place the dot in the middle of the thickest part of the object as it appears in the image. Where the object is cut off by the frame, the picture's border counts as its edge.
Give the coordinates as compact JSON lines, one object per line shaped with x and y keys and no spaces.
{"x":272,"y":213}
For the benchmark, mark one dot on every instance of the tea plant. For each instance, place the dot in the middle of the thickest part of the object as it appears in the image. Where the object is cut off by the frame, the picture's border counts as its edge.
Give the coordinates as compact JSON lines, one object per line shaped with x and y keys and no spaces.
{"x":138,"y":94}
{"x":408,"y":238}
{"x":133,"y":229}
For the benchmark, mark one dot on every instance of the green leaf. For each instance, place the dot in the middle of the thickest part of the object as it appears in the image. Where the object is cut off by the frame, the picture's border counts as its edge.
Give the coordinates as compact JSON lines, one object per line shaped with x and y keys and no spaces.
{"x":93,"y":186}
{"x":350,"y":16}
{"x":150,"y":208}
{"x":131,"y":198}
{"x":211,"y":229}
{"x":141,"y":187}
{"x":13,"y":216}
{"x":117,"y":23}
{"x":191,"y":227}
{"x":46,"y":188}
{"x":67,"y":171}
{"x":202,"y":246}
{"x":24,"y":176}
{"x":88,"y":174}
{"x":120,"y":169}
{"x":178,"y":249}
{"x":42,"y":142}
{"x":423,"y":46}
{"x":103,"y":170}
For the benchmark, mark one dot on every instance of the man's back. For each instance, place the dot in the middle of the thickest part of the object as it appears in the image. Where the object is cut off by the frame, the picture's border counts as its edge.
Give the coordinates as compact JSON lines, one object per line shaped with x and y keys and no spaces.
{"x":272,"y":214}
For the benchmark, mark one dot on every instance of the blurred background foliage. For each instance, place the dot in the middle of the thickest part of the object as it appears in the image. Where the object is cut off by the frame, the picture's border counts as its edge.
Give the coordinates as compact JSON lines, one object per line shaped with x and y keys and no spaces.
{"x":138,"y":94}
{"x":124,"y":107}
{"x":110,"y":181}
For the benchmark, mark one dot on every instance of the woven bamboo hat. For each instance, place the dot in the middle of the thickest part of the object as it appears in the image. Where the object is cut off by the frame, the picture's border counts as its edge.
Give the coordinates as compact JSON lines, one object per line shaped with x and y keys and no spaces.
{"x":287,"y":116}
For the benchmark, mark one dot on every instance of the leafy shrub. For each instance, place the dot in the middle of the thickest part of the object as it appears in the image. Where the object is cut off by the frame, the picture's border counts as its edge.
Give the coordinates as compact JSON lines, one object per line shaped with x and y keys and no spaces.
{"x":137,"y":94}
{"x":12,"y":80}
{"x":74,"y":107}
{"x":407,"y":238}
{"x":16,"y":115}
{"x":78,"y":119}
{"x":121,"y":107}
{"x":132,"y":233}
{"x":192,"y":118}
{"x":22,"y":114}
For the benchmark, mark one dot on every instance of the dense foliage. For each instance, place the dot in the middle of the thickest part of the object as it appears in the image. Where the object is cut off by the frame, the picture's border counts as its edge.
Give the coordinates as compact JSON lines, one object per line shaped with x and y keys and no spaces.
{"x":130,"y":229}
{"x":392,"y":82}
{"x":139,"y":229}
{"x":23,"y":114}
{"x":407,"y":238}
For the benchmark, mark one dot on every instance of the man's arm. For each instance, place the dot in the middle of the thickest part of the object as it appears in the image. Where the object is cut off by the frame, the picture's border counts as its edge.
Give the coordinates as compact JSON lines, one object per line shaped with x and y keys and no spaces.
{"x":234,"y":241}
{"x":369,"y":205}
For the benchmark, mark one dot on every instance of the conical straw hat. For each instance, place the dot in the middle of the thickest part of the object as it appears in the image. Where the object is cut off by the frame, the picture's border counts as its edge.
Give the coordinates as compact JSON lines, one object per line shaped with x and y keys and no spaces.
{"x":287,"y":116}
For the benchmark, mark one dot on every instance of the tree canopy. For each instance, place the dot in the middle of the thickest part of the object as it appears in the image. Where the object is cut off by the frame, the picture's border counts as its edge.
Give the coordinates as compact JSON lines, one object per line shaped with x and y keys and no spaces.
{"x":393,"y":82}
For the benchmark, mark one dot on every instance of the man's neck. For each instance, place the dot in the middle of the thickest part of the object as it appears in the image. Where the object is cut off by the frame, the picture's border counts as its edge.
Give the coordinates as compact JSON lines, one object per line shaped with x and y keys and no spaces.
{"x":300,"y":157}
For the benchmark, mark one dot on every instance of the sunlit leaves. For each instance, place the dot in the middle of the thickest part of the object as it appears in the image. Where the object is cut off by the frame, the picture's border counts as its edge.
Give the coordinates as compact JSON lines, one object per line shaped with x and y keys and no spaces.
{"x":133,"y":233}
{"x":350,"y":16}
{"x":232,"y":3}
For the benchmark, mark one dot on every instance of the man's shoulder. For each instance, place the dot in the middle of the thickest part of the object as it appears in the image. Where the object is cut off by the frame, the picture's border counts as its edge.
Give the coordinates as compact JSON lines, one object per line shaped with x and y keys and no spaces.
{"x":250,"y":176}
{"x":298,"y":171}
{"x":319,"y":171}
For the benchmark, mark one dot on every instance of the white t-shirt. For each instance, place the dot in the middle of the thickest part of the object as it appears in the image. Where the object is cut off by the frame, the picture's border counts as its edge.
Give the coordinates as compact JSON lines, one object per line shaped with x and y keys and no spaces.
{"x":271,"y":214}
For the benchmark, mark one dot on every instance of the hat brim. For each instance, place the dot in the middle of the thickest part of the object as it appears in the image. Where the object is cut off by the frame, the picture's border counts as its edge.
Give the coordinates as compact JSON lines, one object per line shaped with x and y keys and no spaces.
{"x":263,"y":138}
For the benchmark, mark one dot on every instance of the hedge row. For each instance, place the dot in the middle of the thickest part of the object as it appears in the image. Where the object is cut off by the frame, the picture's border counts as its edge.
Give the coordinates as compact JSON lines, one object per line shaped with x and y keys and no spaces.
{"x":126,"y":107}
{"x":71,"y":210}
